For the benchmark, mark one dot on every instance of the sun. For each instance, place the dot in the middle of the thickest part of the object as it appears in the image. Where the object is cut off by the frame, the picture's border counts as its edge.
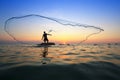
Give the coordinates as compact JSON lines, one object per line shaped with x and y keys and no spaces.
{"x":64,"y":42}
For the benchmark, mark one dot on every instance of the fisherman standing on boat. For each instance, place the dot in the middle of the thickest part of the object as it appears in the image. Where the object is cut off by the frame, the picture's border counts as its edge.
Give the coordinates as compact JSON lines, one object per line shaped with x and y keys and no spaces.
{"x":44,"y":37}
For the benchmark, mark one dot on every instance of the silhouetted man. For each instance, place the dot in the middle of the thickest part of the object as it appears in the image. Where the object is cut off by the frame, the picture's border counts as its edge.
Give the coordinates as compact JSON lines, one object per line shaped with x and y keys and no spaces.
{"x":44,"y":37}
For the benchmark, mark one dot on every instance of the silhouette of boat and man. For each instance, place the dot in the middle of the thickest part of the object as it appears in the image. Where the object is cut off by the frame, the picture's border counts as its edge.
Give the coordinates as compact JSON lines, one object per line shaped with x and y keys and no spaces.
{"x":46,"y":40}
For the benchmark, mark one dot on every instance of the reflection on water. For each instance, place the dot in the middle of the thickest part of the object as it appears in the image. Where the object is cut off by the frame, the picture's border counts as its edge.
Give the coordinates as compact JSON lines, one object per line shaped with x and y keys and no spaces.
{"x":44,"y":54}
{"x":60,"y":54}
{"x":45,"y":51}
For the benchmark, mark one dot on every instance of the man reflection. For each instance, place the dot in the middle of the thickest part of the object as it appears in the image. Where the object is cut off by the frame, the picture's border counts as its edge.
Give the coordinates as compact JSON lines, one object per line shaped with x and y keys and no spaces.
{"x":45,"y":60}
{"x":45,"y":52}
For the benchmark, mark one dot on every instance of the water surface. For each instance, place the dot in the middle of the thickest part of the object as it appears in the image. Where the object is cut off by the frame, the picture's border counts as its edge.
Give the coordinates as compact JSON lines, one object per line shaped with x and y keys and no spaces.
{"x":60,"y":62}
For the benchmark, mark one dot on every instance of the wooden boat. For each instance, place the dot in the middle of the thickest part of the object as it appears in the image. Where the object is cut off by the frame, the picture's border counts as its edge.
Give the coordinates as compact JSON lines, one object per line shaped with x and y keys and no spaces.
{"x":45,"y":44}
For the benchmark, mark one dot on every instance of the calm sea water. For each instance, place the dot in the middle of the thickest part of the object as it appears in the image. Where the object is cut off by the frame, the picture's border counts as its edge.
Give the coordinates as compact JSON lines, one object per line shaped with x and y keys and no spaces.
{"x":85,"y":62}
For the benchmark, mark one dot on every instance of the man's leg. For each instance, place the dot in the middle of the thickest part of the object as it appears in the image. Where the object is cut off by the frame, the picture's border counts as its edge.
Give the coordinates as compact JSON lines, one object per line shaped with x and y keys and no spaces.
{"x":44,"y":41}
